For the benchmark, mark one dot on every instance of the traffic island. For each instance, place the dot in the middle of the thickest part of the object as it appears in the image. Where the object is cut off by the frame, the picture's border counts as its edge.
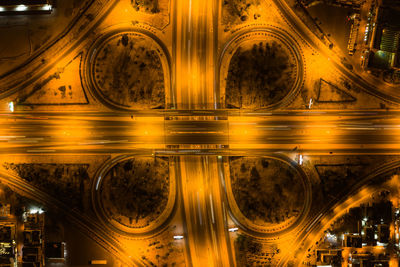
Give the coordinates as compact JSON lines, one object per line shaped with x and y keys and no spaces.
{"x":261,"y":69}
{"x":128,"y":70}
{"x":135,"y":195}
{"x":266,"y":194}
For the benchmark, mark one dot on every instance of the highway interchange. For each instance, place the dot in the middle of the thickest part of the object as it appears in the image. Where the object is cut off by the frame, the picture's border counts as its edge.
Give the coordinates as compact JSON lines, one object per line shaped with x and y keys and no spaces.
{"x":193,"y":132}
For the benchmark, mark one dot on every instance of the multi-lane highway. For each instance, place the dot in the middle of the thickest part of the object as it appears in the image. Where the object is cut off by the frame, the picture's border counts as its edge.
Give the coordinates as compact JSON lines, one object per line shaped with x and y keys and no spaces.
{"x":205,"y":216}
{"x":305,"y":131}
{"x":204,"y":219}
{"x":194,"y":131}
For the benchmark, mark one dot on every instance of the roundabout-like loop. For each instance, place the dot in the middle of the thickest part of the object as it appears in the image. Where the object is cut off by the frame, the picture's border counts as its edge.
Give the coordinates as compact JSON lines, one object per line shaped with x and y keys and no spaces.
{"x":268,"y":195}
{"x":261,"y":68}
{"x":128,"y":69}
{"x":135,"y":195}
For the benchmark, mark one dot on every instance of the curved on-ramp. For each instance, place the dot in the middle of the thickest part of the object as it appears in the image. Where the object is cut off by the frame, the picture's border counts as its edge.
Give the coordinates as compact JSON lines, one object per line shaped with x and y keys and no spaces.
{"x":155,"y":226}
{"x":274,"y":231}
{"x":87,"y":66}
{"x":248,"y":34}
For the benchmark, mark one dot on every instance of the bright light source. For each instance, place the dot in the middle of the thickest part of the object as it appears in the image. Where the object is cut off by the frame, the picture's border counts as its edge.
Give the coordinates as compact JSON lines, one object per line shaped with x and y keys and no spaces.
{"x":34,"y":210}
{"x":11,"y":106}
{"x":219,"y":157}
{"x":46,"y":7}
{"x":1,"y":9}
{"x":177,"y":237}
{"x":233,"y":229}
{"x":310,"y":103}
{"x":300,"y":159}
{"x":21,"y":8}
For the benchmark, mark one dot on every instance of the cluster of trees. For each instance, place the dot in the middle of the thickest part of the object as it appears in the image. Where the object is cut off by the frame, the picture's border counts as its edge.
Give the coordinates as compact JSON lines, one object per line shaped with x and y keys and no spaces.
{"x":259,"y":76}
{"x":63,"y":181}
{"x":246,"y":245}
{"x":239,"y":9}
{"x":164,"y":252}
{"x":138,"y":188}
{"x":150,"y":6}
{"x":266,"y":190}
{"x":129,"y":72}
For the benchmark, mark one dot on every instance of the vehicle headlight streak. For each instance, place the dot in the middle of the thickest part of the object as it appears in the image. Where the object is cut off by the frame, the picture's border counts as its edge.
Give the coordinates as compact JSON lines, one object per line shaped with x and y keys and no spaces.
{"x":21,"y":8}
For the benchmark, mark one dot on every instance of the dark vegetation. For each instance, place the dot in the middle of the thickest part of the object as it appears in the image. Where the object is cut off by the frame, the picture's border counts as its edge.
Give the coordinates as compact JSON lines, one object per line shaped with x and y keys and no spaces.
{"x":128,"y":71}
{"x":247,"y":244}
{"x":260,"y":76}
{"x":66,"y":182}
{"x":150,"y":6}
{"x":250,"y":252}
{"x":336,"y":179}
{"x":137,"y":189}
{"x":239,"y":9}
{"x":266,"y":190}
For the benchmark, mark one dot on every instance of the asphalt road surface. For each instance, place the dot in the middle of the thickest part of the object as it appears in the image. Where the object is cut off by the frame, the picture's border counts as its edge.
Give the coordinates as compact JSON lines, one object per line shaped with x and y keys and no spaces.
{"x":120,"y":133}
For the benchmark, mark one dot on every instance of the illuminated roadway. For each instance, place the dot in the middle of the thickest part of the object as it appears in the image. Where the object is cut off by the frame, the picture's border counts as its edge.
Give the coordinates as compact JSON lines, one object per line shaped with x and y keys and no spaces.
{"x":382,"y":138}
{"x":94,"y":230}
{"x":306,"y":131}
{"x":204,"y":219}
{"x":312,"y":230}
{"x":378,"y":89}
{"x":189,"y":132}
{"x":74,"y":38}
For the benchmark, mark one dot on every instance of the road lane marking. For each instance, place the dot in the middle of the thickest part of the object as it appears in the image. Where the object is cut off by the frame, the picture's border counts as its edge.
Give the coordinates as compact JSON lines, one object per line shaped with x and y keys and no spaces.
{"x":212,"y":209}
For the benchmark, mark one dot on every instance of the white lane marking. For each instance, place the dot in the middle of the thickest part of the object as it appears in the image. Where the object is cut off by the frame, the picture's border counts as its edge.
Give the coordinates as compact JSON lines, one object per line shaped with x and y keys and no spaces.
{"x":212,"y":209}
{"x":199,"y":210}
